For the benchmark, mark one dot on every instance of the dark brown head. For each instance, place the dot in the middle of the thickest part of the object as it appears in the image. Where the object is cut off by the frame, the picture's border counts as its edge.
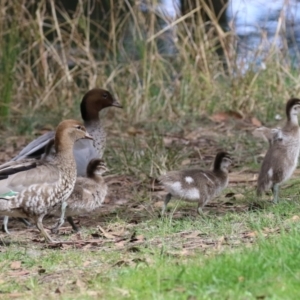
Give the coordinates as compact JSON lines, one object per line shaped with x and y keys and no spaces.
{"x":67,"y":132}
{"x":94,"y":101}
{"x":292,"y":107}
{"x":222,"y":161}
{"x":96,"y":167}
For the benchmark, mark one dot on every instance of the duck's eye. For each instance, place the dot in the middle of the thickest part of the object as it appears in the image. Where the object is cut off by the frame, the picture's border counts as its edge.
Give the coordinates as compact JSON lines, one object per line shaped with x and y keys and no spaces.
{"x":105,"y":95}
{"x":80,"y":127}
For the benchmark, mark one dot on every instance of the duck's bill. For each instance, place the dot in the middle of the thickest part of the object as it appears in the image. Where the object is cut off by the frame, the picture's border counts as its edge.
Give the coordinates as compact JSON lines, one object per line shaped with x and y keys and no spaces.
{"x":87,"y":136}
{"x":117,"y":104}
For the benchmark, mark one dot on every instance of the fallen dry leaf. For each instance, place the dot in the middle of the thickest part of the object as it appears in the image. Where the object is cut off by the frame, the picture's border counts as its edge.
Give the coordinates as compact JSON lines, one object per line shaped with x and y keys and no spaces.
{"x":225,"y":116}
{"x":255,"y":122}
{"x":15,"y":265}
{"x":295,"y":218}
{"x":250,"y":234}
{"x":15,"y":295}
{"x":86,"y":263}
{"x":105,"y":233}
{"x":58,"y":291}
{"x":239,"y":196}
{"x":134,"y":131}
{"x":19,"y":273}
{"x":80,"y":284}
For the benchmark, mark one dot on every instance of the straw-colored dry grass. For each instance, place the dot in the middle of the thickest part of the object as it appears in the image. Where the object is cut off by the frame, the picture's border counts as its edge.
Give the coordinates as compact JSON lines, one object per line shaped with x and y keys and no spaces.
{"x":120,"y":52}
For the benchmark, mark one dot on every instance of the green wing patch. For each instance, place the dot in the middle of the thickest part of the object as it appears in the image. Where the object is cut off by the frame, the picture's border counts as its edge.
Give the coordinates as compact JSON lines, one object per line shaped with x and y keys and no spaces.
{"x":9,"y":194}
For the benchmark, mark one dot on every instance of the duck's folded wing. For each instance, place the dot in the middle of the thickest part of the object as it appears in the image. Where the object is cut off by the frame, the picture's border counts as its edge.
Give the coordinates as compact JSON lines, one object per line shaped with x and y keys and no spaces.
{"x":84,"y":151}
{"x":23,"y":175}
{"x":37,"y":147}
{"x":277,"y":134}
{"x":269,"y":134}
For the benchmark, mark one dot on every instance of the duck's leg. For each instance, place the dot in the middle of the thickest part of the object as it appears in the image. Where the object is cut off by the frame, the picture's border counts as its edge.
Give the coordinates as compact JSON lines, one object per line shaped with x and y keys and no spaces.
{"x":275,"y":190}
{"x":61,"y":219}
{"x":63,"y":212}
{"x":200,"y":207}
{"x":167,"y":200}
{"x":70,"y":220}
{"x":39,"y":225}
{"x":4,"y":225}
{"x":199,"y":210}
{"x":25,"y":221}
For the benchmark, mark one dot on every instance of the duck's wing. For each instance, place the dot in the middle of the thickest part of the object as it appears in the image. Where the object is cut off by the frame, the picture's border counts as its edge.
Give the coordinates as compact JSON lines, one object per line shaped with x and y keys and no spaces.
{"x":170,"y":176}
{"x":36,"y":148}
{"x":277,"y":134}
{"x":23,"y":174}
{"x":84,"y":151}
{"x":264,"y":133}
{"x":270,"y":135}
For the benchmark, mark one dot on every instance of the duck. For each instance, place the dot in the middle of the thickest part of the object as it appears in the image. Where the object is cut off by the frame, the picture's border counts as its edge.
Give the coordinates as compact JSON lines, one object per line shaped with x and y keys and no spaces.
{"x":32,"y":189}
{"x":197,"y":185}
{"x":281,"y":158}
{"x":88,"y":194}
{"x":84,"y":150}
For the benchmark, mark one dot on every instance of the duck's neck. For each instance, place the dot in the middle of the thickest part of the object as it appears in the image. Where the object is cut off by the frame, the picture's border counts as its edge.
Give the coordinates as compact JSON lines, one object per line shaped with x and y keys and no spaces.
{"x":97,"y":178}
{"x":65,"y":156}
{"x":92,"y":123}
{"x":293,"y":119}
{"x":97,"y":131}
{"x":220,"y":172}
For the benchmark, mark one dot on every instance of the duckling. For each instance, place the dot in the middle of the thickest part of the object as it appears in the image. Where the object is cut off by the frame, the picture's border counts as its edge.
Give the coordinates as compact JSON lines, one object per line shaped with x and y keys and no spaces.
{"x":282,"y":156}
{"x":33,"y":189}
{"x":92,"y":103}
{"x":197,"y":185}
{"x":88,"y":194}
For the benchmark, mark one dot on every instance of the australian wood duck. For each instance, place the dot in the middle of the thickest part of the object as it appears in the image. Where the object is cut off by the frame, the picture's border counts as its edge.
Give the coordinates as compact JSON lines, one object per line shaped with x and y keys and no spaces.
{"x":32,"y":189}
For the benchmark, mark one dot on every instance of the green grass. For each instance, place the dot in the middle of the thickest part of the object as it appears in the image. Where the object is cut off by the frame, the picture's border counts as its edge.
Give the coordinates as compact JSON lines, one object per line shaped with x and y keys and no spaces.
{"x":164,"y":267}
{"x":268,"y":270}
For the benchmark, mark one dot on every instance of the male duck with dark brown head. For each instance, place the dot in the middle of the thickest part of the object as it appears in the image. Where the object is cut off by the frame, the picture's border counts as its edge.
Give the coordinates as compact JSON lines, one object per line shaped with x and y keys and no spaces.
{"x":92,"y":103}
{"x":32,"y":190}
{"x":197,"y":185}
{"x":282,"y":156}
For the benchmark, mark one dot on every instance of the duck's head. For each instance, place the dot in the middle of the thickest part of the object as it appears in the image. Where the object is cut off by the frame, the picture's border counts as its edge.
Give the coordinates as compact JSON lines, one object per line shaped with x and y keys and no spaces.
{"x":96,"y":167}
{"x":292,"y":107}
{"x":69,"y":131}
{"x":94,"y":101}
{"x":222,"y":161}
